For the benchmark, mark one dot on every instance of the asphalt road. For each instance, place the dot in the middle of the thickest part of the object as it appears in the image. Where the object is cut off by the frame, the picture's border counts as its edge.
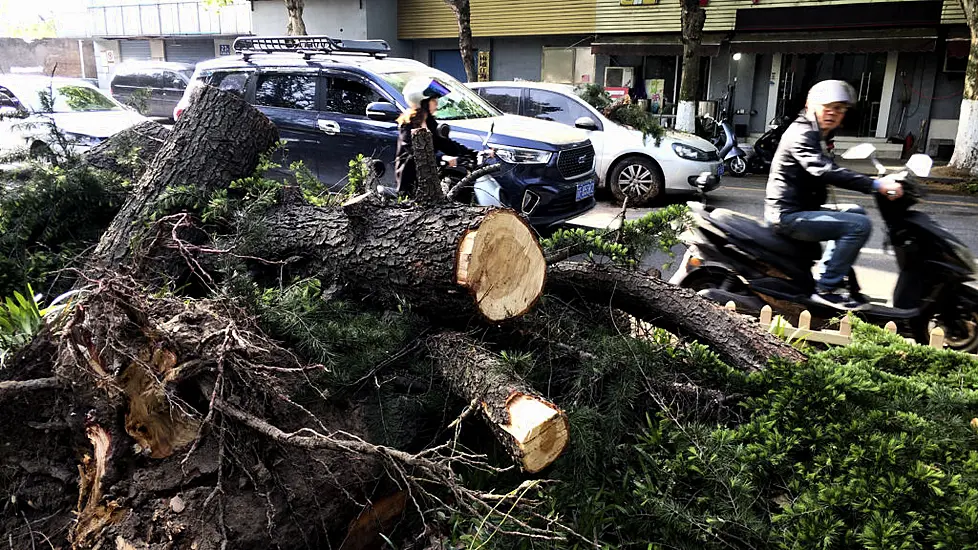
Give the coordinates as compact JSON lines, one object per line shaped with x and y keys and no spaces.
{"x":876,"y":270}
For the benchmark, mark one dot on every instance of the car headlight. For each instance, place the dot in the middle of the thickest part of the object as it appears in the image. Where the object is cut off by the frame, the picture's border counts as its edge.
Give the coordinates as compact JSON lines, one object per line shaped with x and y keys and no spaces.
{"x":518,"y":155}
{"x":82,"y":139}
{"x":689,"y":152}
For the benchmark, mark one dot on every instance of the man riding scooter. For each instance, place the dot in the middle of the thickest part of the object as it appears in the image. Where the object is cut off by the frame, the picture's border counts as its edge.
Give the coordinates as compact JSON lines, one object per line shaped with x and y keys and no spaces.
{"x":797,"y":190}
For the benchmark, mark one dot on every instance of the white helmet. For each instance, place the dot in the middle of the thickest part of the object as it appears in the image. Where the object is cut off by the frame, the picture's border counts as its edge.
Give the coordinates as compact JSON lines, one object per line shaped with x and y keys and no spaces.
{"x":830,"y":91}
{"x":421,"y":88}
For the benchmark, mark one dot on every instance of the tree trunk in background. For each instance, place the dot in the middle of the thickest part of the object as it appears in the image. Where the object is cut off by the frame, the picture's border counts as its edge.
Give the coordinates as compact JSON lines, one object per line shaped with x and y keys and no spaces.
{"x":966,"y":144}
{"x":693,"y":18}
{"x":463,"y":14}
{"x":296,"y":26}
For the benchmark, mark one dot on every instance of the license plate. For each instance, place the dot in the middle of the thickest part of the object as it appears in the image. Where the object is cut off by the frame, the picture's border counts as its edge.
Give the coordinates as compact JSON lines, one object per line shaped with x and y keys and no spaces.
{"x":585,"y":190}
{"x":720,"y":169}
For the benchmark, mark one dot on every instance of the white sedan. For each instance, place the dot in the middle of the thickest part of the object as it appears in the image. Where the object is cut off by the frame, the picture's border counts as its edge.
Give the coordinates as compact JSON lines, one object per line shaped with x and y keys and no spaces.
{"x":33,"y":107}
{"x":628,"y":163}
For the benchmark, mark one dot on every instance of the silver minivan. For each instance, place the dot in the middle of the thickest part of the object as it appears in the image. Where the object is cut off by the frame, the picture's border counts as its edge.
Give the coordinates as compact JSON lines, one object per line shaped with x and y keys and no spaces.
{"x":153,"y":87}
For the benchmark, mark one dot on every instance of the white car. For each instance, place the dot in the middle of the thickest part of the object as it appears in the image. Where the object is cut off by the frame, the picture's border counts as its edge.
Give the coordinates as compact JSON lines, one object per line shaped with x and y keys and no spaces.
{"x":628,"y":163}
{"x":84,"y":115}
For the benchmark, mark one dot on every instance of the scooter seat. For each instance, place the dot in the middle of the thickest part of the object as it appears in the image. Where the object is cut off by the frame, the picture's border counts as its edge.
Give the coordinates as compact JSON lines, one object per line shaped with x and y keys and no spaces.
{"x":746,"y":228}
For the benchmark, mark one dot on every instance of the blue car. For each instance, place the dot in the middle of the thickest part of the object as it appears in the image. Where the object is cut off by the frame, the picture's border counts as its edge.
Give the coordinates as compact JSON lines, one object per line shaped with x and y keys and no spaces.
{"x":334,"y":99}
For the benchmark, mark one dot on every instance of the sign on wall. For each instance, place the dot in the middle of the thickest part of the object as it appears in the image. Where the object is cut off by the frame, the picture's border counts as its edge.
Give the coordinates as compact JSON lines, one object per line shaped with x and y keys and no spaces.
{"x":483,"y":66}
{"x":638,"y":2}
{"x":109,"y":56}
{"x":225,"y":49}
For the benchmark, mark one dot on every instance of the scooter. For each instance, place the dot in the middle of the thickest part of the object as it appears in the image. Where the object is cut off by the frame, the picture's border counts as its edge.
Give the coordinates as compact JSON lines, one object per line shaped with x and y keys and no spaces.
{"x":733,"y":257}
{"x":761,"y":154}
{"x":724,"y":139}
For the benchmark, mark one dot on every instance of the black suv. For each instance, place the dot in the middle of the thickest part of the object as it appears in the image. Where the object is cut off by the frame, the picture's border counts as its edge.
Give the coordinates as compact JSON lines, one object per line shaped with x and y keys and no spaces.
{"x":164,"y":83}
{"x":334,"y":99}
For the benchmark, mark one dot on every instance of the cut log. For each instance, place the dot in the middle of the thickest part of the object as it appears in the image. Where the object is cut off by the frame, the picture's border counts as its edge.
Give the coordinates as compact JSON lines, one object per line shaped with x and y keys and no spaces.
{"x":129,"y":153}
{"x":217,"y":140}
{"x":533,"y":430}
{"x":446,"y":260}
{"x":427,"y":187}
{"x":739,"y":343}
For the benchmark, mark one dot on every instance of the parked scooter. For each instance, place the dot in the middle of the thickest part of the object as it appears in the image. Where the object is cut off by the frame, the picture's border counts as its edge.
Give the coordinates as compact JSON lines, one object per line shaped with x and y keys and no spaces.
{"x":758,"y":161}
{"x":734,"y":158}
{"x":733,"y":257}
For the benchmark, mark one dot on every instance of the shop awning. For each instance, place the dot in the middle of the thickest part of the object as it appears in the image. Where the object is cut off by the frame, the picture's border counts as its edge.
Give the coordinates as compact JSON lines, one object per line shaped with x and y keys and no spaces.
{"x":848,"y":41}
{"x":653,"y":44}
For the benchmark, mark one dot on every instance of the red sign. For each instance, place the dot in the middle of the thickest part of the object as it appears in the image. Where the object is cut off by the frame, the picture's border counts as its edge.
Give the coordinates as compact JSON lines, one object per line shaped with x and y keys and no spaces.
{"x":615,"y":92}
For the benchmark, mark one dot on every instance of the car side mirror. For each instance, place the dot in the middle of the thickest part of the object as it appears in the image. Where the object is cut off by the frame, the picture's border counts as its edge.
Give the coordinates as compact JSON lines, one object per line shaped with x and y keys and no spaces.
{"x":444,"y":130}
{"x":586,"y":123}
{"x":920,"y":165}
{"x":862,"y":151}
{"x":383,"y":111}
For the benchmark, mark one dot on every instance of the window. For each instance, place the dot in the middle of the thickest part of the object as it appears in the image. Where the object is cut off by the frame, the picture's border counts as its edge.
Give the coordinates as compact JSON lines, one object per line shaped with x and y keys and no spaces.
{"x":234,"y":82}
{"x":173,"y":81}
{"x":349,"y":97}
{"x":553,"y":106}
{"x":7,"y":99}
{"x":288,"y":91}
{"x":568,"y":65}
{"x":506,"y":100}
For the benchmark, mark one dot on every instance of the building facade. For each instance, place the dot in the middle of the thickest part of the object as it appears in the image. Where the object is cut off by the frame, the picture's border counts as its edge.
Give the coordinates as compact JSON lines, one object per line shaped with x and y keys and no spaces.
{"x":905,"y":58}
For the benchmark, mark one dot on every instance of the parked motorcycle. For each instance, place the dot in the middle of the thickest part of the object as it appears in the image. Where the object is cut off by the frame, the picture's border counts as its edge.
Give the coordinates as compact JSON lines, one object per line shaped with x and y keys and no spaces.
{"x":725,"y":140}
{"x":758,"y":160}
{"x":733,"y":257}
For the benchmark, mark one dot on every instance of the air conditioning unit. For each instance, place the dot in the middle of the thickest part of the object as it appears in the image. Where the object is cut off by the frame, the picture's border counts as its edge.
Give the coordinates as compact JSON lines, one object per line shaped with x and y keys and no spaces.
{"x":619,"y":77}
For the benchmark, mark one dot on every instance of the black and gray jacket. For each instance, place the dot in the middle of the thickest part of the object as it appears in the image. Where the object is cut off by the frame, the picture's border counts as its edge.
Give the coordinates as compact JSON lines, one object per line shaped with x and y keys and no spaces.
{"x":404,"y":166}
{"x":801,"y":171}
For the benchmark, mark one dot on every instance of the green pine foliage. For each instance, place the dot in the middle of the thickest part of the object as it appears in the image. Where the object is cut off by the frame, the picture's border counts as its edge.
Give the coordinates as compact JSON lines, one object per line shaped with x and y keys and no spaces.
{"x":623,"y":112}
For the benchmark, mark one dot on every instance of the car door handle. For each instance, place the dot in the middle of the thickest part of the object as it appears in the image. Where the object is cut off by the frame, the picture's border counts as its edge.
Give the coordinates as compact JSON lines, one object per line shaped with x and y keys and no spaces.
{"x":329,"y":127}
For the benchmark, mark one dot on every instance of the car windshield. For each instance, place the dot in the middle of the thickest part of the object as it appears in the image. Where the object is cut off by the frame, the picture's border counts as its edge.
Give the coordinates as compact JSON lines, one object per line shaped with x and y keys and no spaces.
{"x":70,"y":98}
{"x":461,"y":102}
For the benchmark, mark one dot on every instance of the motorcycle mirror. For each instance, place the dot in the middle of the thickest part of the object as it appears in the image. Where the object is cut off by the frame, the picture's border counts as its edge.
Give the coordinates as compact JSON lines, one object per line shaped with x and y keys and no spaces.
{"x":862,"y":151}
{"x":920,"y":165}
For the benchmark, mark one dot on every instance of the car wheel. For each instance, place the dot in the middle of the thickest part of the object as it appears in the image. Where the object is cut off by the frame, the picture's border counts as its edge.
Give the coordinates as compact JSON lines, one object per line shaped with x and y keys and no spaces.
{"x":638,"y":179}
{"x":737,"y":166}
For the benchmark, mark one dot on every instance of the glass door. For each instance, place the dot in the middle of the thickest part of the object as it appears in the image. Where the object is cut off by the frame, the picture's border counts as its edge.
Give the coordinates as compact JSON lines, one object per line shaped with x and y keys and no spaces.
{"x":865,"y":73}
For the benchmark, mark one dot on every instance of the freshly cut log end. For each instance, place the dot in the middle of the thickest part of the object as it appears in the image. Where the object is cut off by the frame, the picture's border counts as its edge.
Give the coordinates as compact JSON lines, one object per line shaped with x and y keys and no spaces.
{"x":540,"y":430}
{"x":502,"y":265}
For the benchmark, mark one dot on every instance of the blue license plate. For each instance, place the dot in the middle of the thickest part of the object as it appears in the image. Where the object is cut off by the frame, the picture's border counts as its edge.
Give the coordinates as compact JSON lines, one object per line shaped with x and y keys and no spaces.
{"x":720,"y":169}
{"x":585,"y":190}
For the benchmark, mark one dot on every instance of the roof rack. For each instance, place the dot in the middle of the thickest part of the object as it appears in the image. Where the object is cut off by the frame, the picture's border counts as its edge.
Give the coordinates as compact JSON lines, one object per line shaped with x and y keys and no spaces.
{"x":308,"y":45}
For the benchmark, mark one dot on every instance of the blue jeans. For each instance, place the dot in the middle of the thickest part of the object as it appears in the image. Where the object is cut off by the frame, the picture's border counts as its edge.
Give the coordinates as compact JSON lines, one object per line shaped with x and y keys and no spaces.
{"x":846,"y":230}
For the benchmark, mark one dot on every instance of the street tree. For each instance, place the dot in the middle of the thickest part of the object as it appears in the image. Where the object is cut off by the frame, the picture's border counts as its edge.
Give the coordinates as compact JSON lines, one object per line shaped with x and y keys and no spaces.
{"x":693,"y":19}
{"x":966,"y":145}
{"x":463,"y":14}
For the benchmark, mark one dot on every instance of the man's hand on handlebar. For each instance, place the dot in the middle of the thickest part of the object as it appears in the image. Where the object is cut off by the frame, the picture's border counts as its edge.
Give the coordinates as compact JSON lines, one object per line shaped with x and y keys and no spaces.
{"x":450,"y":161}
{"x":891,"y":187}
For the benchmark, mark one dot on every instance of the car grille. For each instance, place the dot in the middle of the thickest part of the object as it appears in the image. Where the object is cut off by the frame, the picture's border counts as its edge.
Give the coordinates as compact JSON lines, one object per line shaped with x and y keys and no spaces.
{"x":575,"y":162}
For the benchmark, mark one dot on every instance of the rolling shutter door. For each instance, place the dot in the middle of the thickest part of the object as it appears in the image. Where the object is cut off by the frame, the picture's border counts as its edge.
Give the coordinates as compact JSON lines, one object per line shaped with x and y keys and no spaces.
{"x":189,"y":51}
{"x":134,"y":49}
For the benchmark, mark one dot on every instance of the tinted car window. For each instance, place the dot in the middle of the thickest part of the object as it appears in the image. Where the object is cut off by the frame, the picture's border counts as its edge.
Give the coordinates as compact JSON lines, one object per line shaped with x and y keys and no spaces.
{"x":553,"y":106}
{"x":349,"y":97}
{"x":173,"y":80}
{"x":506,"y":100}
{"x":234,"y":82}
{"x":7,"y":99}
{"x":289,"y":91}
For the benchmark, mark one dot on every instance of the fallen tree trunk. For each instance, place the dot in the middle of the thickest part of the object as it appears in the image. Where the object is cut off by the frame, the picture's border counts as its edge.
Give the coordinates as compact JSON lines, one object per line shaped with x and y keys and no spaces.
{"x":737,"y":342}
{"x":129,"y":153}
{"x":218,"y":139}
{"x":446,"y":260}
{"x":533,"y":430}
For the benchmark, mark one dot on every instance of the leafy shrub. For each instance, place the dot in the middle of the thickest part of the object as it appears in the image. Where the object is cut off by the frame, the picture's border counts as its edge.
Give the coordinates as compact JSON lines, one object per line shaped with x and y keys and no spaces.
{"x":623,"y":111}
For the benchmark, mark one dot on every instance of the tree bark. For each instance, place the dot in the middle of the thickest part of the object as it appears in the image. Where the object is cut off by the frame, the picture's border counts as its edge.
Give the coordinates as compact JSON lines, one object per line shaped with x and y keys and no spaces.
{"x":427,"y":187}
{"x":678,"y":310}
{"x":463,"y":15}
{"x":533,"y":430}
{"x":296,"y":27}
{"x":448,"y":261}
{"x":129,"y":153}
{"x":965,"y":156}
{"x":218,"y":140}
{"x":693,"y":18}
